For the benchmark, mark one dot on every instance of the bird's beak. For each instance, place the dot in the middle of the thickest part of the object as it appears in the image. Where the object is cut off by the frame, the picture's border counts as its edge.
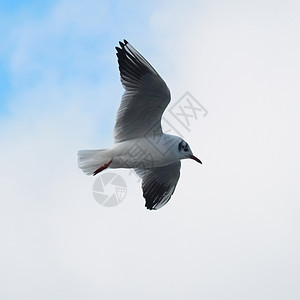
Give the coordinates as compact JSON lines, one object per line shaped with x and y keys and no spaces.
{"x":196,"y":159}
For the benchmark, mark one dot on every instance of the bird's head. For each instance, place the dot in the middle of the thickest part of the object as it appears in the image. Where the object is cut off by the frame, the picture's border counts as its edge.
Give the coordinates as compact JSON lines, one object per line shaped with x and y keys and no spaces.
{"x":186,"y":152}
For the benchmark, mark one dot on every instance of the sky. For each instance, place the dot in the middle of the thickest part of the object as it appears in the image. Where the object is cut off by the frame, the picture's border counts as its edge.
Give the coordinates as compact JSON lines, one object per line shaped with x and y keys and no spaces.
{"x":231,"y":229}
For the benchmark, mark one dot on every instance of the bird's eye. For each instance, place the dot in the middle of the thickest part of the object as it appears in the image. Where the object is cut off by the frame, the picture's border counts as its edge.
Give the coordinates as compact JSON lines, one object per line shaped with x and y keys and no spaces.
{"x":185,"y":149}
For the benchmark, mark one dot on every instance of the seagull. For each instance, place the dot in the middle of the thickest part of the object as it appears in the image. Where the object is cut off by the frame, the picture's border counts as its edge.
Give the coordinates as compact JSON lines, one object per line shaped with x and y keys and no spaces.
{"x":139,"y":140}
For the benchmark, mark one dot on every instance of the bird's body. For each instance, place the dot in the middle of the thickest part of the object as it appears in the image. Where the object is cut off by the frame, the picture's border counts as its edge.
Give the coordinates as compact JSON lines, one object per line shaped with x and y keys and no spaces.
{"x":150,"y":152}
{"x":139,"y":141}
{"x":144,"y":151}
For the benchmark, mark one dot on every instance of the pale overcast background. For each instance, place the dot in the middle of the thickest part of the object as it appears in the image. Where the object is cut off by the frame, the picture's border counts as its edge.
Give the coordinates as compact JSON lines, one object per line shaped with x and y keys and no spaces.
{"x":230,"y":231}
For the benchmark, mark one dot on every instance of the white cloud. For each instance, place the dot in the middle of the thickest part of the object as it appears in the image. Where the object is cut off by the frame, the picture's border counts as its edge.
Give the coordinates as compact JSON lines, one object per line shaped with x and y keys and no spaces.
{"x":231,"y":229}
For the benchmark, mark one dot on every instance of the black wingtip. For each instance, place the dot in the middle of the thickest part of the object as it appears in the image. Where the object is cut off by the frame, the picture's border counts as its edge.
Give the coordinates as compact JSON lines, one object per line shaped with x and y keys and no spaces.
{"x":149,"y":205}
{"x":125,"y":42}
{"x":121,"y":44}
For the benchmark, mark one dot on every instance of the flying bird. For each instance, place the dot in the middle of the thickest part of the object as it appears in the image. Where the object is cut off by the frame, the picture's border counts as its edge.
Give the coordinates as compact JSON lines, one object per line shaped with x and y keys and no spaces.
{"x":139,"y":140}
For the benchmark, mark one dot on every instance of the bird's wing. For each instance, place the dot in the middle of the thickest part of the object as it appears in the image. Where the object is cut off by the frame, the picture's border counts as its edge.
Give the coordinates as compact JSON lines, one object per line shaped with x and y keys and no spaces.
{"x":145,"y":99}
{"x":159,"y":184}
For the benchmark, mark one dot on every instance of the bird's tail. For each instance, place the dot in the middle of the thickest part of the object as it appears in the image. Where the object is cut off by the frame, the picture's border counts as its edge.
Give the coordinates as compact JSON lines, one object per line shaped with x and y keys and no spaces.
{"x":92,"y":162}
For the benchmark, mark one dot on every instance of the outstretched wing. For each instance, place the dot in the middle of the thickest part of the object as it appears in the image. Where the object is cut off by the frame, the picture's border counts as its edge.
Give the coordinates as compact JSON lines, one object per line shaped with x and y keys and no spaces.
{"x":159,"y":184}
{"x":145,"y":99}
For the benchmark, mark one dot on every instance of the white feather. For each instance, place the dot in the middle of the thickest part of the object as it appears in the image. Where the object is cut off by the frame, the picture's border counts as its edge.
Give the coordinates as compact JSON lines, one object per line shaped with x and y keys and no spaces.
{"x":90,"y":160}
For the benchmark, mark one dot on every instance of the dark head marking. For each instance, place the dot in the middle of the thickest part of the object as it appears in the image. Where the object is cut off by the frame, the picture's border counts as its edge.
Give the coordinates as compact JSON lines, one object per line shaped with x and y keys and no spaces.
{"x":183,"y":146}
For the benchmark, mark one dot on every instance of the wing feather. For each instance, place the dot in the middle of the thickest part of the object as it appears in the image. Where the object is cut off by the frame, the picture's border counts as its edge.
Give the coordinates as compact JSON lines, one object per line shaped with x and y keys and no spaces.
{"x":145,"y":99}
{"x":159,"y":184}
